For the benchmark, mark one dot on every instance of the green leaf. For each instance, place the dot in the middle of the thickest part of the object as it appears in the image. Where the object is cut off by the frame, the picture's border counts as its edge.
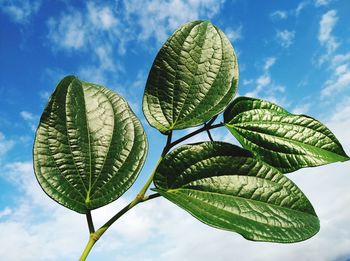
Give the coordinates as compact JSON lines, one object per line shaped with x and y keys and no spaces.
{"x":284,"y":140}
{"x":89,"y":146}
{"x":223,"y":186}
{"x":193,"y":78}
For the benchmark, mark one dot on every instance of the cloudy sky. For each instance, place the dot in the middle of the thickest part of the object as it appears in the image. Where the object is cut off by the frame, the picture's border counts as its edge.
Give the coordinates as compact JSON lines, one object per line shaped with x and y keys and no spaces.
{"x":294,"y":53}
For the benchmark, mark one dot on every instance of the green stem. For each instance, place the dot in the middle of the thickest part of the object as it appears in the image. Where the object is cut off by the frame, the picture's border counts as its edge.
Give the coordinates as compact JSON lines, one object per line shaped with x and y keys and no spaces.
{"x":140,"y":196}
{"x":90,"y":222}
{"x":94,"y":236}
{"x":87,"y":249}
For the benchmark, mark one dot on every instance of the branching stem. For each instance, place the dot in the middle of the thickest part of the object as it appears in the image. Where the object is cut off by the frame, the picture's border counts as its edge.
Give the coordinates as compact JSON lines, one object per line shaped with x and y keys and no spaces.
{"x":94,"y":236}
{"x":204,"y":128}
{"x":90,"y":222}
{"x":209,"y":135}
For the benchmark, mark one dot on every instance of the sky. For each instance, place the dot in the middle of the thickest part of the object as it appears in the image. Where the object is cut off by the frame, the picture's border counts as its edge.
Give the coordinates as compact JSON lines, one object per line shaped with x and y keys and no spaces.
{"x":294,"y":53}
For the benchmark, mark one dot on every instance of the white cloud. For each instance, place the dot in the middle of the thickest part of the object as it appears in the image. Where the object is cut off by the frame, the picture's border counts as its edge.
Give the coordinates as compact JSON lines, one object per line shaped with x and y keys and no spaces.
{"x":340,"y":58}
{"x":301,"y":6}
{"x":38,"y":221}
{"x":302,"y":108}
{"x":327,"y":23}
{"x":339,"y":64}
{"x":103,"y":31}
{"x":264,"y":84}
{"x":5,"y":144}
{"x":234,"y":34}
{"x":30,"y":118}
{"x":95,"y":30}
{"x":158,"y":18}
{"x":340,"y":121}
{"x":95,"y":27}
{"x":20,"y":11}
{"x":247,"y":81}
{"x":339,"y":79}
{"x":263,"y":80}
{"x":44,"y":95}
{"x":279,"y":14}
{"x":101,"y":17}
{"x":5,"y":212}
{"x":284,"y":14}
{"x":68,"y":32}
{"x":104,"y":63}
{"x":268,"y":63}
{"x":37,"y":225}
{"x":76,"y":30}
{"x":322,"y":2}
{"x":285,"y":38}
{"x":260,"y":82}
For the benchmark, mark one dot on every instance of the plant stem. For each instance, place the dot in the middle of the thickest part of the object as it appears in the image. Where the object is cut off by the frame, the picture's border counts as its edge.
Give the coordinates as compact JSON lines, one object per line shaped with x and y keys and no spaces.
{"x":204,"y":128}
{"x":140,"y":196}
{"x":87,"y":249}
{"x":94,"y":236}
{"x":90,"y":222}
{"x":209,"y":135}
{"x":132,"y":204}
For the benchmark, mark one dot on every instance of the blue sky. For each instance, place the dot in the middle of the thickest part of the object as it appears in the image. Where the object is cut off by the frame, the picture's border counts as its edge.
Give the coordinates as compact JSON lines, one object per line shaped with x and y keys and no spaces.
{"x":294,"y":53}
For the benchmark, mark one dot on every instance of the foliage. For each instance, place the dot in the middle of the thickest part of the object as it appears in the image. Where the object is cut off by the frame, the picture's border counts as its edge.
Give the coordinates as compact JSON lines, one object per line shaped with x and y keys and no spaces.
{"x":90,"y":147}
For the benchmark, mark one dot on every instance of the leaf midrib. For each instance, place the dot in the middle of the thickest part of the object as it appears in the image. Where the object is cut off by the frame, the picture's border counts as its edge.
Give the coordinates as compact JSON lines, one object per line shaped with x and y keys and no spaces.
{"x":242,"y":198}
{"x":54,"y":101}
{"x":123,"y":164}
{"x":249,"y":234}
{"x":216,"y":76}
{"x":87,"y":200}
{"x":333,"y":154}
{"x":244,"y":110}
{"x":189,"y":87}
{"x":92,"y":184}
{"x":277,"y":181}
{"x":260,"y":122}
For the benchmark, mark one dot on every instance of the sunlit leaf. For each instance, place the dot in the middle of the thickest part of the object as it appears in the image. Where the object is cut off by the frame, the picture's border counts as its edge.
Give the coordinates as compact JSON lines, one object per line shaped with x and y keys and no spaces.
{"x":89,"y":146}
{"x":283,"y":140}
{"x":225,"y":187}
{"x":193,"y":78}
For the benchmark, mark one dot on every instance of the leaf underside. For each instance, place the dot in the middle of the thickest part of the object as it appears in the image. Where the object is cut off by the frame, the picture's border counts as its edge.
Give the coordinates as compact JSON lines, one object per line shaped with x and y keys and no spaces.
{"x":223,"y":186}
{"x":193,"y":78}
{"x":89,"y":146}
{"x":284,"y":140}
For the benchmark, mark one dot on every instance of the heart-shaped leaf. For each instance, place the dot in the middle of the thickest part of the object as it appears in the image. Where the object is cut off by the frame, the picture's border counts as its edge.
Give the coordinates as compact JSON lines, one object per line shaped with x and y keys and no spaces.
{"x":89,"y":146}
{"x":193,"y":78}
{"x":223,"y":186}
{"x":284,"y":140}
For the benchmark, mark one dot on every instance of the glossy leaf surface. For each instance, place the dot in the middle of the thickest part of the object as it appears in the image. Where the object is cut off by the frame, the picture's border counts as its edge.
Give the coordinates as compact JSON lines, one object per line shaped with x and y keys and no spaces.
{"x":284,"y":140}
{"x":193,"y":78}
{"x":223,"y":186}
{"x":89,"y":146}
